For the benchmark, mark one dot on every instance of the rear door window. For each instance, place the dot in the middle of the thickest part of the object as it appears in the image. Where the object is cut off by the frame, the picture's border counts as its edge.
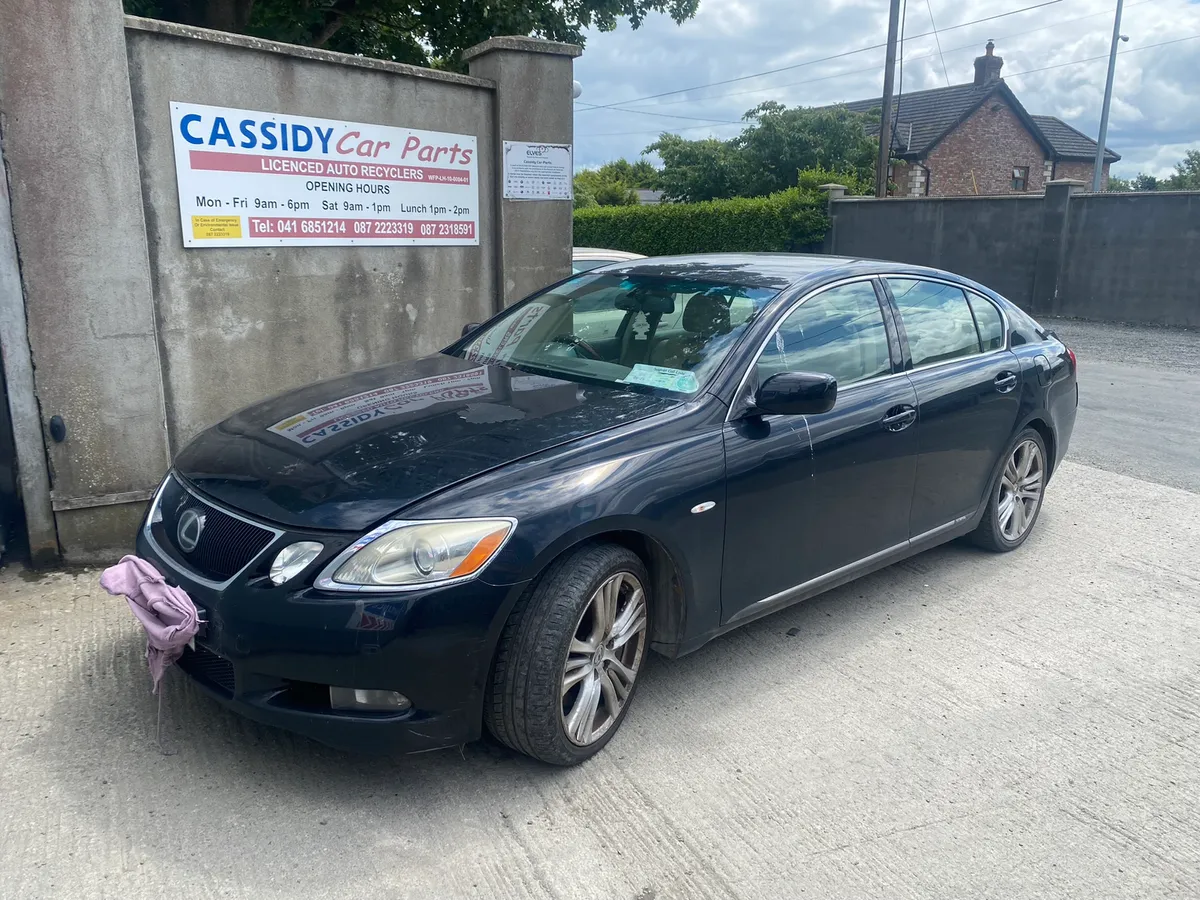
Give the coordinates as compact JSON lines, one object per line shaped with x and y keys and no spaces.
{"x":989,"y":322}
{"x":937,"y":320}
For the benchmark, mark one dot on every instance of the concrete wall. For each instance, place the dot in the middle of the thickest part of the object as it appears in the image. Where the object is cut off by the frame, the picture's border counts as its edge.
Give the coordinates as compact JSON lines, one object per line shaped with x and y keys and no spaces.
{"x":238,"y":324}
{"x":1108,"y":257}
{"x":138,"y":343}
{"x":991,"y":239}
{"x":77,"y":216}
{"x":1132,"y":258}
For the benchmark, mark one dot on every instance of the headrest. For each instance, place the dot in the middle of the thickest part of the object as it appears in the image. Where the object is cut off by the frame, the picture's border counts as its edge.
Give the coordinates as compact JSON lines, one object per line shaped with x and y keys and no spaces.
{"x":706,"y":315}
{"x":647,"y":302}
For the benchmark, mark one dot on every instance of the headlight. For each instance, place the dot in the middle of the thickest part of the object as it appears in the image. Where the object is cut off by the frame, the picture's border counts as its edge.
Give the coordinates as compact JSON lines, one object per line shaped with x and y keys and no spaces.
{"x":294,"y":559}
{"x":416,"y":554}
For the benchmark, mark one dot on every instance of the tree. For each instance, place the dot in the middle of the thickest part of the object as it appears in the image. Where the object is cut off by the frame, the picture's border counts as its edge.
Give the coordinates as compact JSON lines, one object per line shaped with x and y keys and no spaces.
{"x":421,"y":32}
{"x":1187,"y":173}
{"x":603,"y":188}
{"x":768,"y":155}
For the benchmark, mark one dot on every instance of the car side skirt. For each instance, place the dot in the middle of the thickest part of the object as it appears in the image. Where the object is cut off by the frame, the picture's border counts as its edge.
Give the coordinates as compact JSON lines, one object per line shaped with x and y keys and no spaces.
{"x":822,"y":583}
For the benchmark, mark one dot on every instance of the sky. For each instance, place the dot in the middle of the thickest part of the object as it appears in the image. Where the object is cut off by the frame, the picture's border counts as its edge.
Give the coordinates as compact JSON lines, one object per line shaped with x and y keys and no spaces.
{"x":1155,"y":115}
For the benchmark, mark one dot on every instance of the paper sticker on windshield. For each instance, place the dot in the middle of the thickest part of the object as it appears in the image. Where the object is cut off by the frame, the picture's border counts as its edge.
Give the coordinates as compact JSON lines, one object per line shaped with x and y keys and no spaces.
{"x":663,"y":377}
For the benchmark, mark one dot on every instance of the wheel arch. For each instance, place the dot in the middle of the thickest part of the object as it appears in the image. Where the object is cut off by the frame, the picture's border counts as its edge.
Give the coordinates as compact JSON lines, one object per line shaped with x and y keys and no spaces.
{"x":1039,"y":424}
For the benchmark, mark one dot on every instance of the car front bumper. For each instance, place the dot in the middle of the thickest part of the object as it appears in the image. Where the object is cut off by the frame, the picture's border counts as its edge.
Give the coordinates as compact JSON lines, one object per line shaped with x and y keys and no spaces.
{"x":271,"y":652}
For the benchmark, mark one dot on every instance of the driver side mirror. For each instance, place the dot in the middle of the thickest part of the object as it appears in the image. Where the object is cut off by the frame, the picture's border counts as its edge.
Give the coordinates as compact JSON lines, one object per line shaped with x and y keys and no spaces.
{"x":796,"y":394}
{"x":468,"y":328}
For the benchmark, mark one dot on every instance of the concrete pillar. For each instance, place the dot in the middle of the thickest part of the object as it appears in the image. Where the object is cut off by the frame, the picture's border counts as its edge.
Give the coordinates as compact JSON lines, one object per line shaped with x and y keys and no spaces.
{"x":533,"y":103}
{"x":33,"y":477}
{"x":79,"y":227}
{"x":832,"y":192}
{"x":1048,"y":266}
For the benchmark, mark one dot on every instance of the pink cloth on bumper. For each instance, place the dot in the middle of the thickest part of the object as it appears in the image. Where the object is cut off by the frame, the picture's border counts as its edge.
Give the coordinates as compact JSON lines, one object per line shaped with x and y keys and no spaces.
{"x":167,"y":613}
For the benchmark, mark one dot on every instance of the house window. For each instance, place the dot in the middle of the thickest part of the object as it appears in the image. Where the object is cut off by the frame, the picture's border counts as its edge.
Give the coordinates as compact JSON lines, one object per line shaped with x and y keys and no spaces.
{"x":1020,"y":181}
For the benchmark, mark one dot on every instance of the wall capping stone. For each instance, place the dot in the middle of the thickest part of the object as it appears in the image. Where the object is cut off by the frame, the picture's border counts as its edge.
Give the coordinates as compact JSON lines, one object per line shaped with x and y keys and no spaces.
{"x":189,"y":32}
{"x":522,"y":45}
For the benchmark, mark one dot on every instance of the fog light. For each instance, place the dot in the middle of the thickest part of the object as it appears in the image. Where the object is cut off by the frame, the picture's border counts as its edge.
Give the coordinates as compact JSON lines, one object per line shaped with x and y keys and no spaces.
{"x":294,"y":559}
{"x":369,"y":700}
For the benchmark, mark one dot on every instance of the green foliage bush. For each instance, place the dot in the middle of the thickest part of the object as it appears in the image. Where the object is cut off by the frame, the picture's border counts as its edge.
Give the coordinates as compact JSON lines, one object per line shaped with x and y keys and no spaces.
{"x":791,"y":221}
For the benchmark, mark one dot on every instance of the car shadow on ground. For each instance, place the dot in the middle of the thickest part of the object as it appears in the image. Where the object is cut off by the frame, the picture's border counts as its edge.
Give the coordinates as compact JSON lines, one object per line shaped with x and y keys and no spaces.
{"x":219,"y":777}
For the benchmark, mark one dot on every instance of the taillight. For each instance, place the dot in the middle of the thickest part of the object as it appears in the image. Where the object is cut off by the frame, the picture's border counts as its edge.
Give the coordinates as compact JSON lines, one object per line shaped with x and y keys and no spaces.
{"x":1071,"y":357}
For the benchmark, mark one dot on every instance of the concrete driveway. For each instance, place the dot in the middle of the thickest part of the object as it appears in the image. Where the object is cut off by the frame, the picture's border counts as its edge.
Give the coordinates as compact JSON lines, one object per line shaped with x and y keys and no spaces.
{"x":959,"y":725}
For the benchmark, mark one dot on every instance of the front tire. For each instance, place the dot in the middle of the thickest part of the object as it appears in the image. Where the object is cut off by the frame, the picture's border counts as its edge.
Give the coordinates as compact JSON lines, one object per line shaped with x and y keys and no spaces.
{"x":1016,"y":495}
{"x":568,"y":659}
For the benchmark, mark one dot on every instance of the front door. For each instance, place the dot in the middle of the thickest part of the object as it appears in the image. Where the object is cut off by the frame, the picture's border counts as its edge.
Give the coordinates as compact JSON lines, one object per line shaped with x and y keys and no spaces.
{"x":810,"y":494}
{"x":968,"y":388}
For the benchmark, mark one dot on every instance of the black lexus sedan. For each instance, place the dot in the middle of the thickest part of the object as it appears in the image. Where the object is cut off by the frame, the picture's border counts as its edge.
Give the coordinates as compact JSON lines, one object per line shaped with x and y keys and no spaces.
{"x":641,"y":457}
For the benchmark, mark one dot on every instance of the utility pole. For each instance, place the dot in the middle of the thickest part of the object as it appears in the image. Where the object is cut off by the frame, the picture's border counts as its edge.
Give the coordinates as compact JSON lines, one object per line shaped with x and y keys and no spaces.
{"x":1098,"y":168}
{"x":885,"y":121}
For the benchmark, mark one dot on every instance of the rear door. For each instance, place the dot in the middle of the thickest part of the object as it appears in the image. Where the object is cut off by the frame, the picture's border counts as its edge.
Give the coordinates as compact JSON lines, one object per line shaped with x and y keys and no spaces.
{"x":968,"y":393}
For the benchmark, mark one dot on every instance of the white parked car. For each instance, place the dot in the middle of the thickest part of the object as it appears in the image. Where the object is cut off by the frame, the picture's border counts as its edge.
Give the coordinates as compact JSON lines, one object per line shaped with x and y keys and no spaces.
{"x":584,"y":258}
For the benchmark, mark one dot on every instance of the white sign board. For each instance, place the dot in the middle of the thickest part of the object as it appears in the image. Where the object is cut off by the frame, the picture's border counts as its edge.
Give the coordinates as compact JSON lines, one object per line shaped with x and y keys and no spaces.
{"x":256,"y":179}
{"x":537,"y":171}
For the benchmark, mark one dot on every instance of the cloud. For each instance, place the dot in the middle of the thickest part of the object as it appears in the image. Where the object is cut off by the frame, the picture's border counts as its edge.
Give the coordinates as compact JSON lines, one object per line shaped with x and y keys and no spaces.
{"x":1155,"y":110}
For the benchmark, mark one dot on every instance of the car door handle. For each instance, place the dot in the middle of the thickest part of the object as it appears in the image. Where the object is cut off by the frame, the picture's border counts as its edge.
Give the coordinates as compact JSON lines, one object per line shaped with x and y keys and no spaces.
{"x":1005,"y":382}
{"x":899,"y":418}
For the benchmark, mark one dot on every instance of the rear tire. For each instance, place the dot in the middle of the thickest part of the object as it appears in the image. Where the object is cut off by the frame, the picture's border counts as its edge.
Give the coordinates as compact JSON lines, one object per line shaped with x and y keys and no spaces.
{"x":1016,"y":495}
{"x":568,"y":659}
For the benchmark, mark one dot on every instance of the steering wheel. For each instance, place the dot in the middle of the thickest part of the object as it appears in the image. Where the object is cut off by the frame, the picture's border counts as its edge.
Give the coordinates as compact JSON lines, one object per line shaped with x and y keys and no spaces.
{"x":579,"y":345}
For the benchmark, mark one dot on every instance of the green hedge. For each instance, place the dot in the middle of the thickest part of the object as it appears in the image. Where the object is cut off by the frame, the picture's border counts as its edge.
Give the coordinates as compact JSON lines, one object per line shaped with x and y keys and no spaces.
{"x":791,"y":220}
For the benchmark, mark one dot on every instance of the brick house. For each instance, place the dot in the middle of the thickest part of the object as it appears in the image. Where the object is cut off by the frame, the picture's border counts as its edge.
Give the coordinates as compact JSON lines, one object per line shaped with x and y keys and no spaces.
{"x":977,"y":138}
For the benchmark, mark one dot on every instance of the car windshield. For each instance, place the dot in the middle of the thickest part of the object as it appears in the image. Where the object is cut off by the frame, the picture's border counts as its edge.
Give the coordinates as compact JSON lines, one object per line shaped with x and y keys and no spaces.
{"x":654,"y":331}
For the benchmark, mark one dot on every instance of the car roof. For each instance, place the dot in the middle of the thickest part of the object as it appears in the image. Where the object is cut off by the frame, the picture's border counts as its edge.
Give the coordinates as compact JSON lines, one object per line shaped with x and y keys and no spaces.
{"x":775,"y":270}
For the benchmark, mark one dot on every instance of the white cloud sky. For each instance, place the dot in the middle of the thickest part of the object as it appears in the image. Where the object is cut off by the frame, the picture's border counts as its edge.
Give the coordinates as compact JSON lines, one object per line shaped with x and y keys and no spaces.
{"x":1155,"y":114}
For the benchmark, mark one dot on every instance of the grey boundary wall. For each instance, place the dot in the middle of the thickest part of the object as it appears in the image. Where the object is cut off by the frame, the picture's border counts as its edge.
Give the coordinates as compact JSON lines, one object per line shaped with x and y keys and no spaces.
{"x":139,"y":344}
{"x":1112,"y":257}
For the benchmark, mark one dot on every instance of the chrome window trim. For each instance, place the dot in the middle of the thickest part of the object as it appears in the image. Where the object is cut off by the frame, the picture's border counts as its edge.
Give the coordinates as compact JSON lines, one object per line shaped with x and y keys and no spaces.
{"x":192,"y":575}
{"x":733,"y":405}
{"x":325,"y":581}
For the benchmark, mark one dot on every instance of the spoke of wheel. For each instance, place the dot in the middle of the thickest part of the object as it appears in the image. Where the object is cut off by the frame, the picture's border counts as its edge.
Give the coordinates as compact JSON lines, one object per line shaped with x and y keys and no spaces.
{"x":1018,"y":517}
{"x":605,"y":602}
{"x":1010,"y":471}
{"x":582,"y":648}
{"x":577,"y":670}
{"x":631,"y":621}
{"x":613,"y":698}
{"x":1007,"y":506}
{"x":1026,"y":453}
{"x":583,"y":713}
{"x":622,"y":674}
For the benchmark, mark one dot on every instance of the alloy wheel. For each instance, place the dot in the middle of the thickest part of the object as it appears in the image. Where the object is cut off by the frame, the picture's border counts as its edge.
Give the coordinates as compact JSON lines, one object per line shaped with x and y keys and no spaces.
{"x":603,"y":658}
{"x":1021,"y":486}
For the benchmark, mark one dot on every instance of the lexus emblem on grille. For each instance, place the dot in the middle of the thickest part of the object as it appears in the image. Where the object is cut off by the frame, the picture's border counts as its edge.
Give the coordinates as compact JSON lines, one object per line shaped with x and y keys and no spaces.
{"x":191,"y":525}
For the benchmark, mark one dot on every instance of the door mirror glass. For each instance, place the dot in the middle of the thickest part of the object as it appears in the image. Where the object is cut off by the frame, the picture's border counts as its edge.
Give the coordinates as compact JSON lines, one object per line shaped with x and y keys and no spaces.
{"x":468,"y":328}
{"x":796,"y":394}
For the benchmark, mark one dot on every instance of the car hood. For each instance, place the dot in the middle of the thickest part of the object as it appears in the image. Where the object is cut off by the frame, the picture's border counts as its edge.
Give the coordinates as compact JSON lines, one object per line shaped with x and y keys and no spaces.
{"x":345,"y":453}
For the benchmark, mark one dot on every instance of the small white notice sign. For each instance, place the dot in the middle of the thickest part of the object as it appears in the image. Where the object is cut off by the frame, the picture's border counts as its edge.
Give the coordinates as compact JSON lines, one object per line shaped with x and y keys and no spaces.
{"x":537,"y":171}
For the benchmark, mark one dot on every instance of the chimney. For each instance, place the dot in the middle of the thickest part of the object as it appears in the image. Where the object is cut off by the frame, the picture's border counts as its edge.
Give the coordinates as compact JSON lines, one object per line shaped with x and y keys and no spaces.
{"x":987,"y":67}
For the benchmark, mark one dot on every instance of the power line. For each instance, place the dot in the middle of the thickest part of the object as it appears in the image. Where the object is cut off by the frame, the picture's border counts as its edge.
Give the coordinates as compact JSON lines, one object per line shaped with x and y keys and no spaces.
{"x":643,"y":112}
{"x":971,"y":46}
{"x":1073,"y":62}
{"x":822,"y":59}
{"x":938,"y":40}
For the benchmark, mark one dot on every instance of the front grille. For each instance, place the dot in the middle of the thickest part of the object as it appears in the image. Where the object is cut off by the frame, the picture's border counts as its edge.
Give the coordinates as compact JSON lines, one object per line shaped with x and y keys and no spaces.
{"x":223,"y":544}
{"x":204,"y":665}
